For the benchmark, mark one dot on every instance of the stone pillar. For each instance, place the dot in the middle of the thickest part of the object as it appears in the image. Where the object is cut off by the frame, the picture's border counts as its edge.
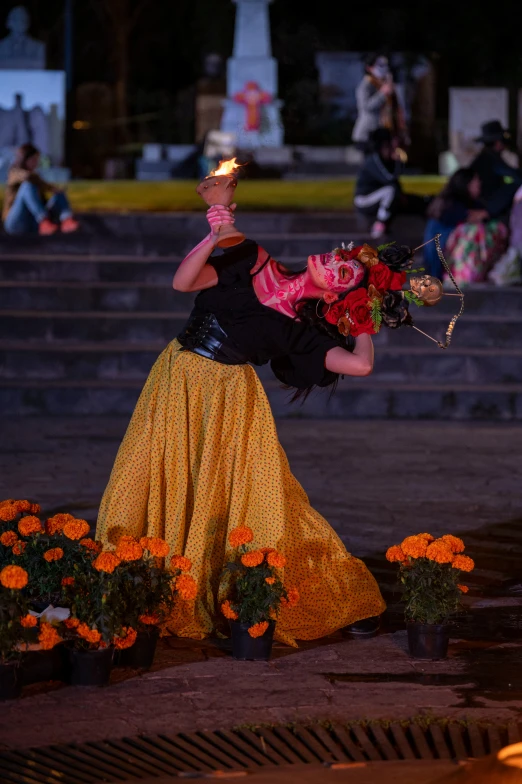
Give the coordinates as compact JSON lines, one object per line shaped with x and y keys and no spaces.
{"x":252,"y":63}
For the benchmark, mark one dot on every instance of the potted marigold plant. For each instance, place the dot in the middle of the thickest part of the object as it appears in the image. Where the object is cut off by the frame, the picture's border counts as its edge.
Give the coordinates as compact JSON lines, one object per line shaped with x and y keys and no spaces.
{"x":256,"y":594}
{"x":430,"y":574}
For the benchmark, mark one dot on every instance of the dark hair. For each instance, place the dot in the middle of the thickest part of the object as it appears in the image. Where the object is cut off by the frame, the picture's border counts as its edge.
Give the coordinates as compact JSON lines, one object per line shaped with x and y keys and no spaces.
{"x":455,"y":190}
{"x":372,"y":58}
{"x":23,"y":154}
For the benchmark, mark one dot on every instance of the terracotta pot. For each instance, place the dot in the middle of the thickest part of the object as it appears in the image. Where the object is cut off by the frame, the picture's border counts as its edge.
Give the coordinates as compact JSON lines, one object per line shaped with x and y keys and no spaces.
{"x":247,"y":648}
{"x":428,"y":640}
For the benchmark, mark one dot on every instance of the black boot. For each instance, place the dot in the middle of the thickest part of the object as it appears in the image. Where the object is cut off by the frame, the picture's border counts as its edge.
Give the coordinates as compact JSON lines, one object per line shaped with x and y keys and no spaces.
{"x":368,"y":627}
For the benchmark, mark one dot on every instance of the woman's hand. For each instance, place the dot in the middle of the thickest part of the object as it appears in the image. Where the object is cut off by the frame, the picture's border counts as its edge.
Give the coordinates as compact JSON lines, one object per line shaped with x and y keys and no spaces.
{"x":218,"y":216}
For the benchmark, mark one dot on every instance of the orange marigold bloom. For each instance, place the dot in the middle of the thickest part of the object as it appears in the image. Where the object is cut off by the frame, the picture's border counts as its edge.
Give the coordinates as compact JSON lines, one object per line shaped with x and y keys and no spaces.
{"x":440,"y":552}
{"x":127,"y":639}
{"x":19,"y":547}
{"x":89,"y":635}
{"x":293,"y":597}
{"x":253,"y":558}
{"x":28,"y":621}
{"x":181,"y":562}
{"x":7,"y":502}
{"x":72,"y":623}
{"x":48,"y":636}
{"x":150,"y":619}
{"x":187,"y":587}
{"x":67,"y":580}
{"x":129,"y":549}
{"x":8,"y":512}
{"x":240,"y":535}
{"x":156,"y":546}
{"x":395,"y":553}
{"x":414,"y":546}
{"x":464,"y":563}
{"x":14,"y":577}
{"x":23,"y":506}
{"x":258,"y":629}
{"x":228,"y":611}
{"x":276,"y":559}
{"x":270,"y":580}
{"x":55,"y":524}
{"x":30,"y":525}
{"x":8,"y":538}
{"x":76,"y":529}
{"x":463,"y":588}
{"x":266,"y":550}
{"x":106,"y":562}
{"x":55,"y":554}
{"x":90,"y":544}
{"x":455,"y":544}
{"x":429,"y":538}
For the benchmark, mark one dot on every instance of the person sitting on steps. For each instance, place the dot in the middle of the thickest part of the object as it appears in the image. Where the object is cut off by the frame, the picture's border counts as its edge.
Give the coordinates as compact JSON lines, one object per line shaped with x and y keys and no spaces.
{"x":27,"y":210}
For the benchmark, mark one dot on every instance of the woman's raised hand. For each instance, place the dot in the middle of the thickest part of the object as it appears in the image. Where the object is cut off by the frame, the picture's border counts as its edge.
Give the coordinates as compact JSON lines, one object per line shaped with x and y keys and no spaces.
{"x":218,"y":215}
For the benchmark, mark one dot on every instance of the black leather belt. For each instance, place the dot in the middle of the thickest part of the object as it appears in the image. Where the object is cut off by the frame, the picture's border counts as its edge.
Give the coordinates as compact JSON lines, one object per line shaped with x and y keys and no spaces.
{"x":202,"y":335}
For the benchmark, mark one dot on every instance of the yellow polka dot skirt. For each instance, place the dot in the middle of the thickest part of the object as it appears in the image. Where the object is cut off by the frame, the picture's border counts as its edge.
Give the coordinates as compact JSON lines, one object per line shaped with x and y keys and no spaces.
{"x":200,"y":457}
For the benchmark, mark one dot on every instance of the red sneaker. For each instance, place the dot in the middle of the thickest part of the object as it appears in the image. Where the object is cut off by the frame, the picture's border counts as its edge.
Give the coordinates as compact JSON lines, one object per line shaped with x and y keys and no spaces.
{"x":47,"y":227}
{"x":69,"y":225}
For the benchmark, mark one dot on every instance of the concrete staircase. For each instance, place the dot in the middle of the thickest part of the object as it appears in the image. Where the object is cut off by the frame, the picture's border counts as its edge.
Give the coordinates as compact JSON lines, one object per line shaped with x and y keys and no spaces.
{"x":83,"y":318}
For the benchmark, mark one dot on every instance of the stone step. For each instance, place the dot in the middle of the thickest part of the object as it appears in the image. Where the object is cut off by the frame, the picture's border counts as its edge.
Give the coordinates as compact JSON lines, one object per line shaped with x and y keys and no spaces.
{"x":369,"y":400}
{"x":76,"y":362}
{"x":138,"y":326}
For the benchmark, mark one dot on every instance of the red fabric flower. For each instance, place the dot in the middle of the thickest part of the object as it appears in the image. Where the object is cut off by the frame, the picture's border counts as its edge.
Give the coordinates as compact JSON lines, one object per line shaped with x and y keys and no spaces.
{"x":334,"y":312}
{"x":381,"y":276}
{"x":360,"y":315}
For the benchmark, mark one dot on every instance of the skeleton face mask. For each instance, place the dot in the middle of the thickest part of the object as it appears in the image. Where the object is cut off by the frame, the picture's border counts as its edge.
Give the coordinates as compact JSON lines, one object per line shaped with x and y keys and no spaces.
{"x":427,"y":288}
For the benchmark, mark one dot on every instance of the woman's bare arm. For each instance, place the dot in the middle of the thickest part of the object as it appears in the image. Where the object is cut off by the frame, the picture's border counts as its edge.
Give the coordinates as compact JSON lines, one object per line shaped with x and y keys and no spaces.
{"x":194,"y":274}
{"x":358,"y":362}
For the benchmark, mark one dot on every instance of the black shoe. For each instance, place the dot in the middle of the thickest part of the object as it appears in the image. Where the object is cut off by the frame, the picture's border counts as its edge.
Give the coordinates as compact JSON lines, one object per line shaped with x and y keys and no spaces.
{"x":368,"y":627}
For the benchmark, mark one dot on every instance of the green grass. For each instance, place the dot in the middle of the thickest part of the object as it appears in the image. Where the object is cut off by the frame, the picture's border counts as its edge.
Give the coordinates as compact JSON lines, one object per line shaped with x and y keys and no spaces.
{"x":256,"y":195}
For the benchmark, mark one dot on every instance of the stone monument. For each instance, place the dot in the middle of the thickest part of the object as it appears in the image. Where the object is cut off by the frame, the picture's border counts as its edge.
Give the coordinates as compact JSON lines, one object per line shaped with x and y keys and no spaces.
{"x":18,"y":51}
{"x":251,"y":109}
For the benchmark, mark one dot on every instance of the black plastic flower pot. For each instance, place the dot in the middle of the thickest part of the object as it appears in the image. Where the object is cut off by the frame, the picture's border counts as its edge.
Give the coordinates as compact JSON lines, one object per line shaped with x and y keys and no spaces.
{"x":247,"y":648}
{"x":41,"y":666}
{"x":10,"y":680}
{"x":141,"y":654}
{"x":428,"y":640}
{"x":89,"y":668}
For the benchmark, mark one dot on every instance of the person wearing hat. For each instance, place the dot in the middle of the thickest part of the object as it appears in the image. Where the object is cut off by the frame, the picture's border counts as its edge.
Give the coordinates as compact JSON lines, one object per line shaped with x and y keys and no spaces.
{"x":499,"y":181}
{"x":378,"y":192}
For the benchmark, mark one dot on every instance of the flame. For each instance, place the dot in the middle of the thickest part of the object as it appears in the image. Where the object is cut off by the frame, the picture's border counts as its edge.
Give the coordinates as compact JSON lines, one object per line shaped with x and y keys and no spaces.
{"x":225,"y":167}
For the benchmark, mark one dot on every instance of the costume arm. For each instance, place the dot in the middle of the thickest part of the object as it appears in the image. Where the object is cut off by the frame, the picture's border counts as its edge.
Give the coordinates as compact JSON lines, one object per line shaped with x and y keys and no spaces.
{"x":358,"y":362}
{"x":368,"y":100}
{"x":194,"y":274}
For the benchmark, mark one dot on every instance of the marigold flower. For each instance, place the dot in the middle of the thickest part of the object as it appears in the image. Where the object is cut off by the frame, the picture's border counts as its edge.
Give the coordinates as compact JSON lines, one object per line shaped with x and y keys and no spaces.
{"x":228,"y":611}
{"x":156,"y":546}
{"x":455,"y":544}
{"x":76,"y":529}
{"x":89,"y":635}
{"x":414,"y":546}
{"x":90,"y":544}
{"x":28,"y":621}
{"x":258,"y":629}
{"x":270,"y":580}
{"x":30,"y":525}
{"x":55,"y":524}
{"x":276,"y":559}
{"x":395,"y":553}
{"x":106,"y":562}
{"x":429,"y":538}
{"x":293,"y":597}
{"x":7,"y":502}
{"x":67,"y":581}
{"x":19,"y":547}
{"x":181,"y":562}
{"x":14,"y":577}
{"x":187,"y":587}
{"x":463,"y":588}
{"x":253,"y":558}
{"x":8,"y":538}
{"x":72,"y":623}
{"x":129,"y":549}
{"x":55,"y":554}
{"x":149,"y":619}
{"x":127,"y":639}
{"x":266,"y":550}
{"x":48,"y":636}
{"x":464,"y":563}
{"x":240,"y":535}
{"x":8,"y":513}
{"x":440,"y":552}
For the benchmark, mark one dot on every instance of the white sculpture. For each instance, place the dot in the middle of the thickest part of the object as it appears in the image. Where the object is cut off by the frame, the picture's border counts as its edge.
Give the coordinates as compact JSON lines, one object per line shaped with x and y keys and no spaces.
{"x":18,"y":50}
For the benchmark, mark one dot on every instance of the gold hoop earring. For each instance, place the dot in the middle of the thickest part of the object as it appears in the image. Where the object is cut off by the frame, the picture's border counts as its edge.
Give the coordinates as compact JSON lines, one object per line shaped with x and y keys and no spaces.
{"x":322,"y":315}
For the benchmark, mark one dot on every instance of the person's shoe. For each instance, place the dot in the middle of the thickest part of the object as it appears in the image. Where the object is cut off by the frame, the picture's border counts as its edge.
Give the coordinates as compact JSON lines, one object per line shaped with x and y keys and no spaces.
{"x":46,"y":227}
{"x":69,"y":225}
{"x":368,"y":627}
{"x":378,"y":230}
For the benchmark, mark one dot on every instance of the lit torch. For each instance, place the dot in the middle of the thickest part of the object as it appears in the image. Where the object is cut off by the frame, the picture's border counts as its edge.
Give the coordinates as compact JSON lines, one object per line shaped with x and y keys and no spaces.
{"x":219,"y":188}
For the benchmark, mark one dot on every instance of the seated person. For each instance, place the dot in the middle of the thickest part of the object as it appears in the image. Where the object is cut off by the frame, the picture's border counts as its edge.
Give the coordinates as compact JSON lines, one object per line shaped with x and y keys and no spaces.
{"x":27,"y":210}
{"x":378,"y":192}
{"x":500,"y":181}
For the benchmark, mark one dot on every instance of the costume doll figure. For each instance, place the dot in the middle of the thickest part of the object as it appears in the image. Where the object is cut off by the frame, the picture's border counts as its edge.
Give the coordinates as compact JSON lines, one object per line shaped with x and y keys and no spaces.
{"x":201,"y":454}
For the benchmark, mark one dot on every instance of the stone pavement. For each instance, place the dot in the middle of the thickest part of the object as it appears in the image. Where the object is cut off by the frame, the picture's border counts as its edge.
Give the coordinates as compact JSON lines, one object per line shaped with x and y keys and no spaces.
{"x":376,"y":482}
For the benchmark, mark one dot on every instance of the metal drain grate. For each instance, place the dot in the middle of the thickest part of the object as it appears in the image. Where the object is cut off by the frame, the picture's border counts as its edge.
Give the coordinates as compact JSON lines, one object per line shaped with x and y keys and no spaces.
{"x":246,"y":749}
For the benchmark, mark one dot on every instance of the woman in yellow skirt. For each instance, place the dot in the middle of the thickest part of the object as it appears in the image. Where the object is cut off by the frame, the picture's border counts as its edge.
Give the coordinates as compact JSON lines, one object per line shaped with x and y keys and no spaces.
{"x":201,"y":454}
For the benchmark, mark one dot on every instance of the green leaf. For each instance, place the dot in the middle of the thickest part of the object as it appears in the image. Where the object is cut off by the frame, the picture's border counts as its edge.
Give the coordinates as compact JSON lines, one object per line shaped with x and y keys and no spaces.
{"x":386,"y":245}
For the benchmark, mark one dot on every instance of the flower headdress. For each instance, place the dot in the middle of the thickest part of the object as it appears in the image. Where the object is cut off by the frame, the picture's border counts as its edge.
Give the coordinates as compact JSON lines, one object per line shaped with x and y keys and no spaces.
{"x":383,"y":300}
